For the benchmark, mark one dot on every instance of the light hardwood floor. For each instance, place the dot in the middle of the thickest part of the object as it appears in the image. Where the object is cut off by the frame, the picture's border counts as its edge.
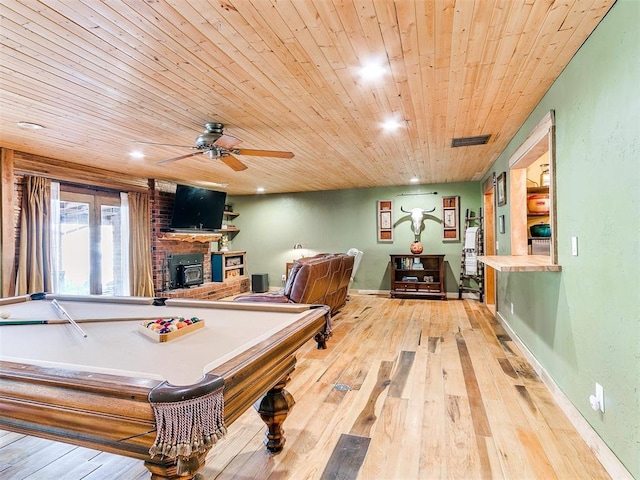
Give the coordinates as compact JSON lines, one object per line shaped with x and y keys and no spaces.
{"x":407,"y":389}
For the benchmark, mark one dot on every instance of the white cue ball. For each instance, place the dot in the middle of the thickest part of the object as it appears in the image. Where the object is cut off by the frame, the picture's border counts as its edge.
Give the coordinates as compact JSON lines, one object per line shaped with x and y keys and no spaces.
{"x":5,"y":314}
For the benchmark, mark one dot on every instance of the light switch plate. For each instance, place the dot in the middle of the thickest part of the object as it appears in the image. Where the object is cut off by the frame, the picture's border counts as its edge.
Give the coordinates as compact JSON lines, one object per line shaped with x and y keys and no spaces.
{"x":574,"y":246}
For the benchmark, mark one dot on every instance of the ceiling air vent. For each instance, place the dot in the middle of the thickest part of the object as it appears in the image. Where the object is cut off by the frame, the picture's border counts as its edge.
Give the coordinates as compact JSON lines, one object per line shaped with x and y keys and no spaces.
{"x":468,"y":141}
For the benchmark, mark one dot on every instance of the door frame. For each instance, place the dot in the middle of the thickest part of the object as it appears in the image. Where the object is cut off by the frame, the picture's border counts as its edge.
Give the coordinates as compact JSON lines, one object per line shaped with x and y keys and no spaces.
{"x":489,"y":208}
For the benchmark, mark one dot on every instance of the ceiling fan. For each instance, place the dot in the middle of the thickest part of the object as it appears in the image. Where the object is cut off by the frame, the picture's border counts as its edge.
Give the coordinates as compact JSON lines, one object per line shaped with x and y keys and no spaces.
{"x":217,"y":144}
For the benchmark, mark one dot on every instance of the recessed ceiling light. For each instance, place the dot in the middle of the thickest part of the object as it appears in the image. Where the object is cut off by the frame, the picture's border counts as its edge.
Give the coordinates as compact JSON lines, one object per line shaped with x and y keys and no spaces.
{"x":391,"y":125}
{"x":260,"y":189}
{"x":30,"y":126}
{"x":414,"y":180}
{"x":136,"y":154}
{"x":372,"y":71}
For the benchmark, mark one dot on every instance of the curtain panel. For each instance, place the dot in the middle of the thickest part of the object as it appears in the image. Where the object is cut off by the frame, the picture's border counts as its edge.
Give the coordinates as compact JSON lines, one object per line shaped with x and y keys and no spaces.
{"x":141,"y":273}
{"x":34,"y":255}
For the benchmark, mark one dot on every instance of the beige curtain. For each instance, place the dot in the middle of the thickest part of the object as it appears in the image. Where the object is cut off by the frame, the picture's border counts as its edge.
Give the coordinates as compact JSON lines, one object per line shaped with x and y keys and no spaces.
{"x":140,"y":245}
{"x":34,"y":257}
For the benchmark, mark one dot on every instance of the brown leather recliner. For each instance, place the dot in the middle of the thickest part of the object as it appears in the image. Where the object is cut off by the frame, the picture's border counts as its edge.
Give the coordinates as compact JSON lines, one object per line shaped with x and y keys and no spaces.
{"x":322,"y":279}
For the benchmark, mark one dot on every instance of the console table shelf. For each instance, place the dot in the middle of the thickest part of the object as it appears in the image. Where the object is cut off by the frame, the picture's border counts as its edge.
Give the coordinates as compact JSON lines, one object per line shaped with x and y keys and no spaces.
{"x":420,"y":276}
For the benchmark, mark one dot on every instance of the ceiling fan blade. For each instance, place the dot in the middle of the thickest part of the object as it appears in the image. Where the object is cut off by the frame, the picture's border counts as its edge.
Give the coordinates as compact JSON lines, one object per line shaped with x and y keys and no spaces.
{"x":162,"y":144}
{"x":262,"y":153}
{"x":233,"y":163}
{"x":162,"y":162}
{"x":227,"y":141}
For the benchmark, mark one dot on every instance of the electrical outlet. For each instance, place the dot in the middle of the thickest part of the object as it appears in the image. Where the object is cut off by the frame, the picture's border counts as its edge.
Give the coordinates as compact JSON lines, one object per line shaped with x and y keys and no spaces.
{"x":511,"y":308}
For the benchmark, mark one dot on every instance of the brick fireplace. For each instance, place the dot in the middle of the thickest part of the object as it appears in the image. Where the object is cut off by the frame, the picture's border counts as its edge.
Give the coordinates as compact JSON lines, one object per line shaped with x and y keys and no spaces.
{"x":164,"y":249}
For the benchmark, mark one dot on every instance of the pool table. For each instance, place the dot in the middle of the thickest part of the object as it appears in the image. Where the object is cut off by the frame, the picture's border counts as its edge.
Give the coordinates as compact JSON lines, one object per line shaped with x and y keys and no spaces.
{"x":91,"y":384}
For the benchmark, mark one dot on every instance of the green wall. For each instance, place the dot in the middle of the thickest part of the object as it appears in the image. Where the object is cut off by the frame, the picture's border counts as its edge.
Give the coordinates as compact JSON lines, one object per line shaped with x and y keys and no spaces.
{"x":334,"y":221}
{"x":583,"y":324}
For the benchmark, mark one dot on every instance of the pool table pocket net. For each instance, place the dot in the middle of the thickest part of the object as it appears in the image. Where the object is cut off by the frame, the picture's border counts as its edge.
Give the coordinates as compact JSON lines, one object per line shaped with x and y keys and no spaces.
{"x":189,"y":420}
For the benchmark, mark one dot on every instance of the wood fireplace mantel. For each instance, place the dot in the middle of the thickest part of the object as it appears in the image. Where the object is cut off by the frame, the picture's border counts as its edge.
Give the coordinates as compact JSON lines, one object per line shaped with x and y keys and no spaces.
{"x":190,"y":237}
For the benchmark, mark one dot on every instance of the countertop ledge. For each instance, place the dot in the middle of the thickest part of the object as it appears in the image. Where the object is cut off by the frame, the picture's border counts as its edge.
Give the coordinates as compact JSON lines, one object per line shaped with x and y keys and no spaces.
{"x":520,"y":263}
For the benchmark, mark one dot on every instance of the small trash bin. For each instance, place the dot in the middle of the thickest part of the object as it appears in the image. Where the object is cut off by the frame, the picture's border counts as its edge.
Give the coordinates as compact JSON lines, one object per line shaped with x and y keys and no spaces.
{"x":259,"y":282}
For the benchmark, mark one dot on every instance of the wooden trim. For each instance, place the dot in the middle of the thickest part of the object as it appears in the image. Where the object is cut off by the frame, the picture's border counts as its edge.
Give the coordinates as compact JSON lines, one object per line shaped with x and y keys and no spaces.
{"x":552,"y":193}
{"x":489,"y":183}
{"x":539,"y":132}
{"x":518,"y":210}
{"x":8,"y":232}
{"x":69,"y":172}
{"x":539,"y":141}
{"x":488,"y":201}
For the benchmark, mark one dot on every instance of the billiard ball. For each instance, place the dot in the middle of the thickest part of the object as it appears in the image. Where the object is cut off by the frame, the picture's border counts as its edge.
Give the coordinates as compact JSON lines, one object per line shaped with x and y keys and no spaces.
{"x":5,"y":314}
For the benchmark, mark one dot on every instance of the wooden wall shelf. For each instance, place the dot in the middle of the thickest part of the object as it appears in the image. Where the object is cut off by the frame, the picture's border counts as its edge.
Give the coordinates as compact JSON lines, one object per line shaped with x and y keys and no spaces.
{"x":190,"y":237}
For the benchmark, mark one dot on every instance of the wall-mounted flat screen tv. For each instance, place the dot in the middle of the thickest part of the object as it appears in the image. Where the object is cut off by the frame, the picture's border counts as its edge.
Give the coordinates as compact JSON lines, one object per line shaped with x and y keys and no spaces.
{"x":197,"y":209}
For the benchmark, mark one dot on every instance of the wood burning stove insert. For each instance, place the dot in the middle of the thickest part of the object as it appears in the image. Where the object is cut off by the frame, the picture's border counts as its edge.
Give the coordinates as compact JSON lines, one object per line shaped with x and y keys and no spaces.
{"x":186,"y":270}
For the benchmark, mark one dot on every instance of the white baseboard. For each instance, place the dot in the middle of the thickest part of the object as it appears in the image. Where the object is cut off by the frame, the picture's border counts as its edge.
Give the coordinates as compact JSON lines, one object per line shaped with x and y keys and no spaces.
{"x":454,"y":295}
{"x":600,"y":449}
{"x":370,"y":292}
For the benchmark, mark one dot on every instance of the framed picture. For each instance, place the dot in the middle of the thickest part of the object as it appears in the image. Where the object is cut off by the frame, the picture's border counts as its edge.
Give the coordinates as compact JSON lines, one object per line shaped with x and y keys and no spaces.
{"x":501,"y":187}
{"x":501,"y":223}
{"x":450,"y":219}
{"x":385,"y":219}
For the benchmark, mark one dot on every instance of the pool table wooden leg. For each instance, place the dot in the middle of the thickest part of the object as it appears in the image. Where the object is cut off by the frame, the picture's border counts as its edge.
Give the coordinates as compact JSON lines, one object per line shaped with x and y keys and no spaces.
{"x":273,"y":409}
{"x":171,"y":471}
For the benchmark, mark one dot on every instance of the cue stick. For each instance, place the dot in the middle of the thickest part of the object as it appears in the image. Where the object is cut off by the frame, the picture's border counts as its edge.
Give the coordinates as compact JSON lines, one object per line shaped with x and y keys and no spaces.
{"x":30,"y":321}
{"x":64,"y":313}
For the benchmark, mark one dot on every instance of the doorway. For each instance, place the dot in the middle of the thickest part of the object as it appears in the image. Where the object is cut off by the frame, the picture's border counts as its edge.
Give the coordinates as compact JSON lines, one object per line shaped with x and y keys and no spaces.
{"x":488,"y":206}
{"x":87,"y":244}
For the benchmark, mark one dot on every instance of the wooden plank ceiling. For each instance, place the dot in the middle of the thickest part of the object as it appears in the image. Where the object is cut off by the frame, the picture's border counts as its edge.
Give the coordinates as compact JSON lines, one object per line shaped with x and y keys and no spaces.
{"x":282,"y":75}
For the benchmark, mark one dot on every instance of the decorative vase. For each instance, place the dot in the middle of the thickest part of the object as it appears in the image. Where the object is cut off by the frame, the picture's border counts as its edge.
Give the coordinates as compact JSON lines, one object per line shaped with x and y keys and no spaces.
{"x":223,"y":243}
{"x":416,"y":247}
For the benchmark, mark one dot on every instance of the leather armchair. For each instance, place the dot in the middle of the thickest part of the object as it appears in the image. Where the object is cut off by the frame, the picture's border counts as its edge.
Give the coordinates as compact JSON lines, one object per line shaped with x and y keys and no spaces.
{"x":322,"y":279}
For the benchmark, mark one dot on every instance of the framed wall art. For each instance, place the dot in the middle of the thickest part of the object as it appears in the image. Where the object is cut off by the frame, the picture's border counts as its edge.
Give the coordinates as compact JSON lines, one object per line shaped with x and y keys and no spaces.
{"x":501,"y":188}
{"x":451,"y":218}
{"x":385,"y":220}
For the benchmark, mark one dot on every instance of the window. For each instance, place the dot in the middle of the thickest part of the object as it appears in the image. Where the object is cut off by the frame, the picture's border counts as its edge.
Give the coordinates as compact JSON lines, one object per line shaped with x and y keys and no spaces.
{"x":89,"y":242}
{"x":532,"y":192}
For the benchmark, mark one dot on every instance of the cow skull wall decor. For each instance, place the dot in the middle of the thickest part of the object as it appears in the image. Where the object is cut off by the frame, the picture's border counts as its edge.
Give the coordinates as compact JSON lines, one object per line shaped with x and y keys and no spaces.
{"x":417,"y":216}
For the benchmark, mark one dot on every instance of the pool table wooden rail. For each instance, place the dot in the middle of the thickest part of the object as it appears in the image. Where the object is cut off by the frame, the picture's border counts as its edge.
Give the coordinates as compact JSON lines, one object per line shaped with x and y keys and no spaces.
{"x":101,"y":411}
{"x":112,"y":413}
